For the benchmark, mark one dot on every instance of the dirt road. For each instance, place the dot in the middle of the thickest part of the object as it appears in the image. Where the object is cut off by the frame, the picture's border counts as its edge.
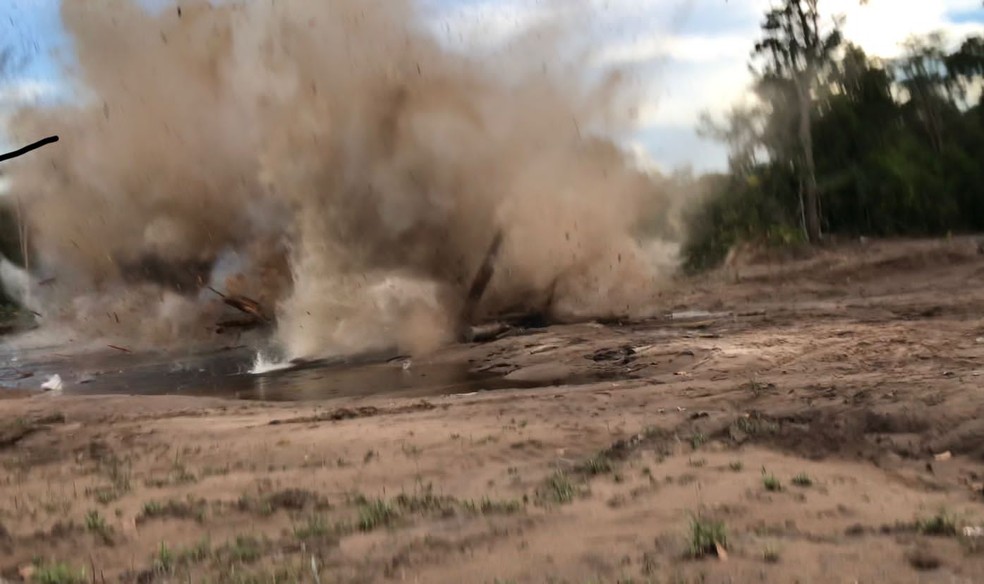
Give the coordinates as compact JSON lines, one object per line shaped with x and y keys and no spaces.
{"x":823,"y":424}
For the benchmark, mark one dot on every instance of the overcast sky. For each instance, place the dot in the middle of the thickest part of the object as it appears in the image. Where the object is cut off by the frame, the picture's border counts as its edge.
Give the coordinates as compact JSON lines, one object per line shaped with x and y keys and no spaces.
{"x":690,"y":55}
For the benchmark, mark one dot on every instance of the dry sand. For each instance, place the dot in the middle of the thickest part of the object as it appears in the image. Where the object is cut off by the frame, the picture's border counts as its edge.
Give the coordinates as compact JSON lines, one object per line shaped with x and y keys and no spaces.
{"x":841,"y":376}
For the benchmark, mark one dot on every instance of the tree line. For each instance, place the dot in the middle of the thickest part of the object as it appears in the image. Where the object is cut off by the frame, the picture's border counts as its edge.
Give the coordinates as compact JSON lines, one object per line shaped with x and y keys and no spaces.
{"x":839,"y":143}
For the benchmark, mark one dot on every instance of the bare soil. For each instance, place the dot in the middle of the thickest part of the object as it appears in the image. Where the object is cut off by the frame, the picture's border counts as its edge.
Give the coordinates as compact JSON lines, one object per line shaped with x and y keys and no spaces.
{"x":823,"y":425}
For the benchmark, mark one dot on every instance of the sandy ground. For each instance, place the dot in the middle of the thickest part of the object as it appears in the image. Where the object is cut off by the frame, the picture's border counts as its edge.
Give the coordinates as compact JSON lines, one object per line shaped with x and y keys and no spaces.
{"x":826,"y":428}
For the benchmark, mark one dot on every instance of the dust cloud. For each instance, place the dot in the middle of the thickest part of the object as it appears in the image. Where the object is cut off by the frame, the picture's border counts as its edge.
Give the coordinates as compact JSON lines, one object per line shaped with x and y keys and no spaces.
{"x":335,"y":162}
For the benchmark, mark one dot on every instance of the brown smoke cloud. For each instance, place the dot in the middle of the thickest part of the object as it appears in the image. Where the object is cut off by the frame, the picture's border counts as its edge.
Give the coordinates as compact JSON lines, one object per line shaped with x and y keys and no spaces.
{"x":334,"y":161}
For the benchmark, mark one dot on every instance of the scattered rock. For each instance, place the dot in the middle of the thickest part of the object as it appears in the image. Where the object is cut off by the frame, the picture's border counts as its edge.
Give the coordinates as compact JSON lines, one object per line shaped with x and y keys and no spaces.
{"x":943,"y":456}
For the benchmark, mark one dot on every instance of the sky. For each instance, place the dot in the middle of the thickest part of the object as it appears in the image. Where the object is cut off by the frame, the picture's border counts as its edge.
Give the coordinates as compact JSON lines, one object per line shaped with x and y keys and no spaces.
{"x":688,"y":56}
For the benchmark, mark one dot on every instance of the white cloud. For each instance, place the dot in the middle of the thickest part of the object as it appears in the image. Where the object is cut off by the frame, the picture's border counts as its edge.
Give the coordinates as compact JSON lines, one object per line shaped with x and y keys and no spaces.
{"x":22,"y":91}
{"x":881,"y":26}
{"x":682,"y":48}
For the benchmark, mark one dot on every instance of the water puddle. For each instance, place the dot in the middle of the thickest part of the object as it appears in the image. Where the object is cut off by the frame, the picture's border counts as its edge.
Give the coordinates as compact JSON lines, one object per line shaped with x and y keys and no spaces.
{"x":240,"y":374}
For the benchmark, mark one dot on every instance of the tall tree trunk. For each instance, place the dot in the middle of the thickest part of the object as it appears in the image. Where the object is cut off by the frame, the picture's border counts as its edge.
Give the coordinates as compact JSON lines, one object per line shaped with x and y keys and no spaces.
{"x":811,"y":202}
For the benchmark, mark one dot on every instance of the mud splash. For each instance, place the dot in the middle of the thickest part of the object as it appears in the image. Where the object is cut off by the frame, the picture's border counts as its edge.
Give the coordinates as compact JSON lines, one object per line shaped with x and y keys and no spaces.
{"x":334,"y":161}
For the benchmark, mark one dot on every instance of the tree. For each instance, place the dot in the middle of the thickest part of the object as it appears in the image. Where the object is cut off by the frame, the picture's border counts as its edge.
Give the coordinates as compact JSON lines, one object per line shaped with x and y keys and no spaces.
{"x":966,"y":64}
{"x":742,"y":131}
{"x":795,"y":52}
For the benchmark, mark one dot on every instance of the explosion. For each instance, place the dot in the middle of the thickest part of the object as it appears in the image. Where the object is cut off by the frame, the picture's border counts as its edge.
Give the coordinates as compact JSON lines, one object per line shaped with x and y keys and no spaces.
{"x":334,"y":162}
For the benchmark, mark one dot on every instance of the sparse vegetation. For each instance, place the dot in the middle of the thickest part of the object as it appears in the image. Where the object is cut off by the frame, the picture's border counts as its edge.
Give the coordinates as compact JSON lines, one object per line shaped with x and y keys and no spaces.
{"x":753,"y":426}
{"x":706,"y":536}
{"x":59,"y":573}
{"x":295,"y":500}
{"x":802,"y":480}
{"x":757,"y":388}
{"x":316,"y":527}
{"x":178,"y":475}
{"x":650,"y":566}
{"x":105,"y":495}
{"x":174,"y":509}
{"x":374,"y":514}
{"x":771,"y":483}
{"x":596,"y":465}
{"x":736,"y":465}
{"x":770,"y":554}
{"x":698,"y":440}
{"x":96,"y":524}
{"x":163,"y":560}
{"x":425,"y":501}
{"x":942,"y":524}
{"x":558,"y":489}
{"x":245,"y":548}
{"x":196,"y":553}
{"x":411,"y":450}
{"x":490,"y":507}
{"x":247,"y":503}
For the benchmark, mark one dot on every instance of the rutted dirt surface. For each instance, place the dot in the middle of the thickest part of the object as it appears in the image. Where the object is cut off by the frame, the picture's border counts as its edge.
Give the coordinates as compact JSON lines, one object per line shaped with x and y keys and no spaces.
{"x":823,"y":424}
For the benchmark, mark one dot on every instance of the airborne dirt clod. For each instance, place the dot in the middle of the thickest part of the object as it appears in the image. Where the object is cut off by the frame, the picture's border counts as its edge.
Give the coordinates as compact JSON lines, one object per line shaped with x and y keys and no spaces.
{"x":829,"y":374}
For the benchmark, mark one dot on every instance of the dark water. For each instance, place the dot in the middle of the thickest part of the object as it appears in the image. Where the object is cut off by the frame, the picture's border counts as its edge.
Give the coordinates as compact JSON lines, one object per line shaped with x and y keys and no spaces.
{"x":225,"y":373}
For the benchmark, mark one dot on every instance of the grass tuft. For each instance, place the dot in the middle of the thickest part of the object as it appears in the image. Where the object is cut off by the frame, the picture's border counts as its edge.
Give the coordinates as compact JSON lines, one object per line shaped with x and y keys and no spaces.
{"x":942,"y":524}
{"x":771,"y":483}
{"x":375,"y":513}
{"x":558,"y":489}
{"x":59,"y":573}
{"x":706,"y":536}
{"x":802,"y":480}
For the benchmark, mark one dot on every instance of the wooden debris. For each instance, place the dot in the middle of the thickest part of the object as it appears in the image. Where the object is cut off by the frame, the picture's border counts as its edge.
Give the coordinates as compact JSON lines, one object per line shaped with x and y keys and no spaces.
{"x":240,"y":325}
{"x":247,"y":306}
{"x":479,"y":284}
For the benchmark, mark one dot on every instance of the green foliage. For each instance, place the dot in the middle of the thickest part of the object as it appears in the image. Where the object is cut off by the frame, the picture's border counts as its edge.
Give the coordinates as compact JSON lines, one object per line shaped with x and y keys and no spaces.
{"x":771,"y":483}
{"x":59,"y":573}
{"x":558,"y":489}
{"x":706,"y":536}
{"x":376,"y":513}
{"x":941,"y":524}
{"x":897,"y":147}
{"x":760,"y":207}
{"x":802,"y":480}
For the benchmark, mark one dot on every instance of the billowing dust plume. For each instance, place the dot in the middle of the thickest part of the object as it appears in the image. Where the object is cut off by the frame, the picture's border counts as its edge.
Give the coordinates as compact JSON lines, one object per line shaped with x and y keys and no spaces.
{"x":334,"y":162}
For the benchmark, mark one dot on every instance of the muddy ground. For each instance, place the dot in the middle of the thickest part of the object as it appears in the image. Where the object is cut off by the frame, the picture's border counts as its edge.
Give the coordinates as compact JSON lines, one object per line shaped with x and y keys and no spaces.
{"x":823,"y":426}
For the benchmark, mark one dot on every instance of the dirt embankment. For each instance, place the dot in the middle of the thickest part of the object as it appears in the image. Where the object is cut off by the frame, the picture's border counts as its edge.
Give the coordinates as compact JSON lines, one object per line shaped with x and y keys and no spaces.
{"x":827,"y":429}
